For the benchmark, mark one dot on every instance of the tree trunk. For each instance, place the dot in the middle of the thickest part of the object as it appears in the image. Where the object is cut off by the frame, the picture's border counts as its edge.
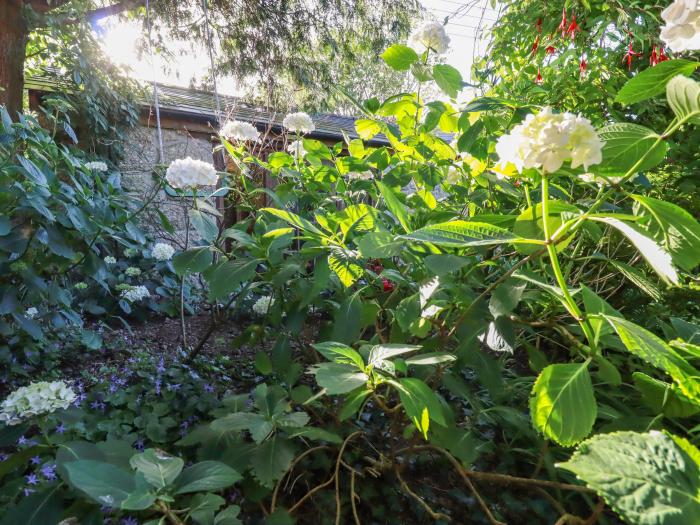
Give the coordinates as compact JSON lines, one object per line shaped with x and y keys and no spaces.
{"x":13,"y":48}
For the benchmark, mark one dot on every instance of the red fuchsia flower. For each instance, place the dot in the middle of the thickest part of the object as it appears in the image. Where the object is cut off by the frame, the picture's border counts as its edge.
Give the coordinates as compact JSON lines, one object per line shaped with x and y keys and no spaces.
{"x":631,"y":53}
{"x":538,"y":25}
{"x":662,"y":56}
{"x":538,"y":78}
{"x":583,"y":65}
{"x":653,"y":58}
{"x":536,"y":45}
{"x":573,"y":27}
{"x":550,"y":50}
{"x":564,"y":23}
{"x":388,"y":285}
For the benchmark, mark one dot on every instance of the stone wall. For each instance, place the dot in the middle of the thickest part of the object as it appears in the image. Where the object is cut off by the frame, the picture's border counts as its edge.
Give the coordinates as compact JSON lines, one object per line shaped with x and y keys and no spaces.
{"x":141,"y":156}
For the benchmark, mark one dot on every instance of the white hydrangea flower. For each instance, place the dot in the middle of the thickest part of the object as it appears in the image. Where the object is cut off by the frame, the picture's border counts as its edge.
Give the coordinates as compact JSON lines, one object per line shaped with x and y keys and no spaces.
{"x":431,"y":35}
{"x":296,"y":148}
{"x":189,"y":172}
{"x":96,"y":166}
{"x":238,"y":130}
{"x":31,"y":312}
{"x":682,"y":29}
{"x":133,"y":271}
{"x":454,"y":175}
{"x":360,"y":175}
{"x":262,"y":306}
{"x":110,"y":260}
{"x":547,"y":140}
{"x":36,"y":399}
{"x":300,"y":122}
{"x":162,"y":251}
{"x":135,"y":294}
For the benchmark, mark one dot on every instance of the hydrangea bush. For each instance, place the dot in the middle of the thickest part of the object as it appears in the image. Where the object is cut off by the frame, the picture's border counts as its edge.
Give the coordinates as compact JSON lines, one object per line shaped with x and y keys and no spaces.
{"x":459,"y":296}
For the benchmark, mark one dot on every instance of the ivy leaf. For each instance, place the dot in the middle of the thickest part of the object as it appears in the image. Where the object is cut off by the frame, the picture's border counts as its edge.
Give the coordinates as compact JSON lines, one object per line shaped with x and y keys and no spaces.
{"x":448,"y":78}
{"x":652,"y":81}
{"x":206,"y":476}
{"x":647,"y":478}
{"x":271,"y":460}
{"x":563,"y":405}
{"x":399,"y":57}
{"x":683,"y":96}
{"x":680,"y":231}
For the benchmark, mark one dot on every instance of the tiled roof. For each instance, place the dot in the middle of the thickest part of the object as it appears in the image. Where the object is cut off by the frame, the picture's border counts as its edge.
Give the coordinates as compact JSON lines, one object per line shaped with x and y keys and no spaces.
{"x":177,"y":101}
{"x":193,"y":103}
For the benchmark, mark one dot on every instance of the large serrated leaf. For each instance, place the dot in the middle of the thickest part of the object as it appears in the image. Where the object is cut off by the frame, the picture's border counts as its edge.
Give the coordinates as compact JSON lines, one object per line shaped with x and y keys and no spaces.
{"x":652,"y":81}
{"x":650,"y":348}
{"x":563,"y":405}
{"x":462,"y":234}
{"x":271,"y":460}
{"x":625,"y":144}
{"x":680,"y":232}
{"x":683,"y":96}
{"x":647,"y":478}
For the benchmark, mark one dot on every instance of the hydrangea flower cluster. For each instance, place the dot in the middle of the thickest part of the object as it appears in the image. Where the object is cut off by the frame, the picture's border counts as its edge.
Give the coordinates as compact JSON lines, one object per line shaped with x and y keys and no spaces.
{"x":237,"y":130}
{"x":36,"y":399}
{"x":134,"y":294}
{"x":131,"y":252}
{"x":296,"y":148}
{"x":133,"y":271}
{"x":360,"y":175}
{"x":431,"y":35}
{"x":31,"y":312}
{"x":300,"y":122}
{"x":80,"y":286}
{"x":110,"y":260}
{"x":189,"y":172}
{"x":162,"y":251}
{"x":96,"y":166}
{"x":682,"y":29}
{"x":263,"y":305}
{"x":548,"y":139}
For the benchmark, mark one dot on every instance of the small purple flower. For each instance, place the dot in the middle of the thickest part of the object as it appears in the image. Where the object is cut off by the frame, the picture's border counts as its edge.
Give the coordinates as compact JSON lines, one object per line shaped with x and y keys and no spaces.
{"x":161,"y":366}
{"x":22,"y":440}
{"x":27,"y":491}
{"x":32,"y":479}
{"x":3,"y":457}
{"x":49,"y":472}
{"x":208,"y":388}
{"x":174,"y":387}
{"x":129,"y":520}
{"x":36,"y":460}
{"x":139,"y":445}
{"x":156,"y":384}
{"x":60,"y":428}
